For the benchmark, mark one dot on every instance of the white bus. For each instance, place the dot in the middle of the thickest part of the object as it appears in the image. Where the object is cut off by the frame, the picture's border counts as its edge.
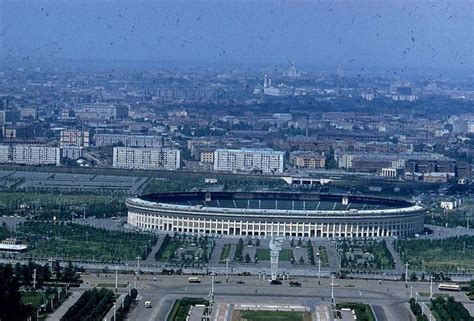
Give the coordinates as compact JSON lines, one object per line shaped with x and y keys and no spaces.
{"x":449,"y":287}
{"x":194,"y":279}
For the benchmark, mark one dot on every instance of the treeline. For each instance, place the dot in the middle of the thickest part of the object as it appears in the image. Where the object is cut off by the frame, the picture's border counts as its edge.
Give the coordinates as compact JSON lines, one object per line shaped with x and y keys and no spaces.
{"x":450,"y":310}
{"x":418,"y":252}
{"x":238,"y":256}
{"x":44,"y":274}
{"x":121,"y":312}
{"x":417,"y":311}
{"x":11,"y":308}
{"x":91,"y":306}
{"x":310,"y":252}
{"x":82,"y":241}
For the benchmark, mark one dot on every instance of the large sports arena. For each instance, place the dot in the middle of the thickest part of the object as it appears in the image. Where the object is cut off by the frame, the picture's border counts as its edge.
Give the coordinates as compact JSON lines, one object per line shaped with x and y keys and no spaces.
{"x":275,"y":214}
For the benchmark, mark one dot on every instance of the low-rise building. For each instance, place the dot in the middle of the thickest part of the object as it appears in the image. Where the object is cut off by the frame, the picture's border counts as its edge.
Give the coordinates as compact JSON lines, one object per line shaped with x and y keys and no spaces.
{"x":207,"y":156}
{"x":308,"y":160}
{"x":74,"y":137}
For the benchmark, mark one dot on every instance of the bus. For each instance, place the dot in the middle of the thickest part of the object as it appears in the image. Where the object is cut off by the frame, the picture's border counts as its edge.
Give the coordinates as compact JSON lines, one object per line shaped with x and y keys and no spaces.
{"x":194,"y":279}
{"x":449,"y":287}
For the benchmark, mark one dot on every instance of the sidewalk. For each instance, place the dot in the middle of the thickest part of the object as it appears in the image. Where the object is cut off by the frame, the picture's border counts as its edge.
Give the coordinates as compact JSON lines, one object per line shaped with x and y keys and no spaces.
{"x":118,"y":303}
{"x":399,"y":267}
{"x":62,"y":309}
{"x":151,"y":257}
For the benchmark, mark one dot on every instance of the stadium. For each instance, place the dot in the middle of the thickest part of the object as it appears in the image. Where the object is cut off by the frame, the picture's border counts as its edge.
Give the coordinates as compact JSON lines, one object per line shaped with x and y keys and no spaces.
{"x":275,"y":214}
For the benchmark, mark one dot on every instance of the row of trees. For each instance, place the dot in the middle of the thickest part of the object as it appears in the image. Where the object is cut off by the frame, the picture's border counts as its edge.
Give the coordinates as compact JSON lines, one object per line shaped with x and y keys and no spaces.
{"x":44,"y":273}
{"x":11,"y":309}
{"x":310,"y":252}
{"x":238,"y":256}
{"x":91,"y":306}
{"x":417,"y":311}
{"x":450,"y":310}
{"x":121,"y":312}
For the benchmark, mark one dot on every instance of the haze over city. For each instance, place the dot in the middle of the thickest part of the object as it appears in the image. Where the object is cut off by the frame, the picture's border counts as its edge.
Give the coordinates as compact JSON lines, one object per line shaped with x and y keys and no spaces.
{"x":355,"y":35}
{"x":236,"y":160}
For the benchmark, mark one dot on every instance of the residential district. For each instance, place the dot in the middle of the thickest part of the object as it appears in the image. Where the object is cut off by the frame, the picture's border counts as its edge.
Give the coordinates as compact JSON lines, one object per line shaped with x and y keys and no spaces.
{"x":227,"y":194}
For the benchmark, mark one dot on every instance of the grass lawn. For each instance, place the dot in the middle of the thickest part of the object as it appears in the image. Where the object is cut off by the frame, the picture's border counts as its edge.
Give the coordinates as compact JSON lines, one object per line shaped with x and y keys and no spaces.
{"x":264,"y":254}
{"x":34,"y":298}
{"x":274,"y":316}
{"x":180,"y":309}
{"x":169,"y":250}
{"x":286,"y":255}
{"x":111,"y":285}
{"x":224,"y":253}
{"x":427,"y":294}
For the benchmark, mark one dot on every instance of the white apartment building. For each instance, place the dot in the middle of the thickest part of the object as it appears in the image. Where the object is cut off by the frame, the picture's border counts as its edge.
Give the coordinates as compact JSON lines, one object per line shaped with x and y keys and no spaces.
{"x":102,"y":140}
{"x":246,"y":160}
{"x":72,"y":152}
{"x":30,"y":155}
{"x":74,"y":137}
{"x":146,"y":158}
{"x":4,"y":154}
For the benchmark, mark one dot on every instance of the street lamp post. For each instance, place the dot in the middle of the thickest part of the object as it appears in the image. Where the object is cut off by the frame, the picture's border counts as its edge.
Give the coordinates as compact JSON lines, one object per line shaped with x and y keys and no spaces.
{"x":116,"y":279}
{"x":319,"y":268}
{"x":227,"y":270}
{"x":406,"y":274}
{"x":332,"y":289}
{"x":34,"y":278}
{"x":431,"y":287}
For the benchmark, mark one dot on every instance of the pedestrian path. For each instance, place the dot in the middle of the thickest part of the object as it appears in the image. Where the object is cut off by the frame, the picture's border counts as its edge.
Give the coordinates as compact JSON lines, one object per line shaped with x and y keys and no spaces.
{"x":62,"y":309}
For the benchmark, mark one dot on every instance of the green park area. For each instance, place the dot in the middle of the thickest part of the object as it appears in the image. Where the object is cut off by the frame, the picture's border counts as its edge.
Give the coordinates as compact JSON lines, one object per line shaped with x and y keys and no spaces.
{"x":323,"y":256}
{"x":185,"y":250}
{"x":446,"y":255}
{"x":284,"y":255}
{"x":62,"y":206}
{"x":365,"y":255}
{"x":250,"y":315}
{"x":181,"y":307}
{"x":81,"y":242}
{"x":224,"y":253}
{"x":363,"y":311}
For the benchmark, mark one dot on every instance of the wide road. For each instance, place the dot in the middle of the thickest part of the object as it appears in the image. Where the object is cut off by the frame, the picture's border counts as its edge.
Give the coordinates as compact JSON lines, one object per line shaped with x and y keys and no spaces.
{"x":388,"y":298}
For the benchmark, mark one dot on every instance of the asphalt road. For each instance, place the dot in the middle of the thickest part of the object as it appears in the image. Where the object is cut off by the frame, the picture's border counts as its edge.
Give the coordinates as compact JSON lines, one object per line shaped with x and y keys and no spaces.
{"x":389,"y":298}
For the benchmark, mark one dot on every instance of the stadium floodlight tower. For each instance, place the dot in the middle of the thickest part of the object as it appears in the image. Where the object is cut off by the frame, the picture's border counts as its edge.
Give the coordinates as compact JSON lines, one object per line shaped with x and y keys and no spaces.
{"x":275,"y":248}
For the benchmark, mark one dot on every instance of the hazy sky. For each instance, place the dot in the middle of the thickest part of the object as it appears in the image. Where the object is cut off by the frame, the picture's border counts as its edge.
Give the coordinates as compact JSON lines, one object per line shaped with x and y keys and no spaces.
{"x":355,"y":34}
